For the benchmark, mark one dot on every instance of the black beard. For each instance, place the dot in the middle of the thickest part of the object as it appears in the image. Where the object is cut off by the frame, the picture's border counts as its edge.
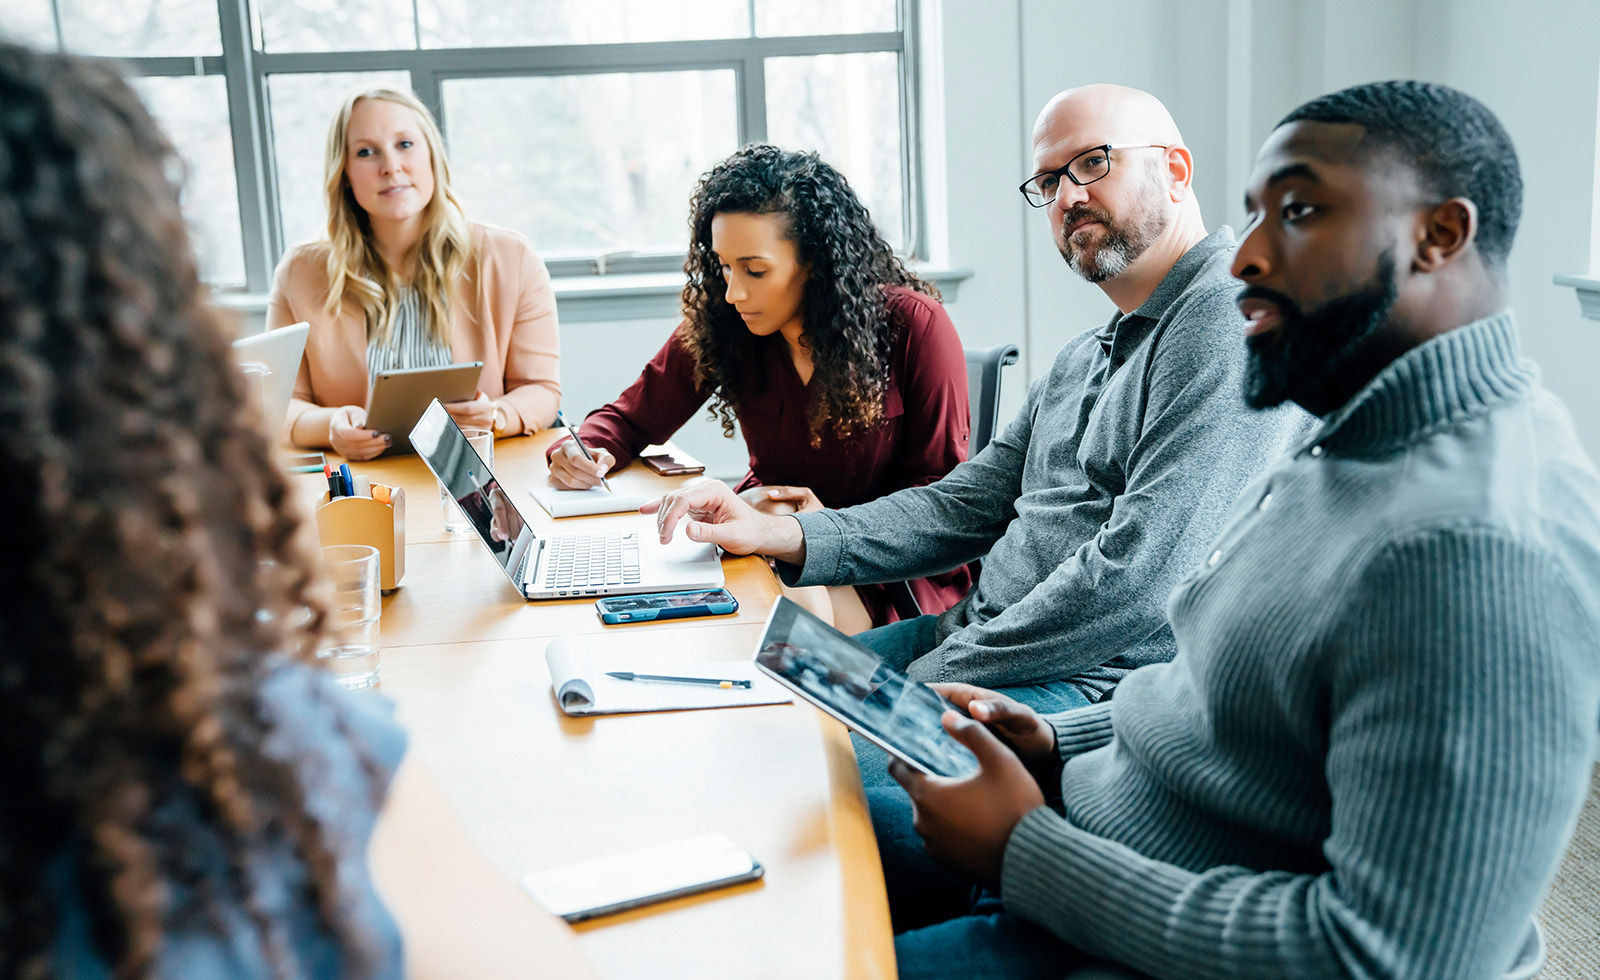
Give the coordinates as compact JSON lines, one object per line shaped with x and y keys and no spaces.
{"x":1308,"y":351}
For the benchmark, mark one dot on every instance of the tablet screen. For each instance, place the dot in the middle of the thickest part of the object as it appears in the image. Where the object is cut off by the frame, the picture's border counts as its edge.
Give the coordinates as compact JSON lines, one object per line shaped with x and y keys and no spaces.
{"x":848,"y":681}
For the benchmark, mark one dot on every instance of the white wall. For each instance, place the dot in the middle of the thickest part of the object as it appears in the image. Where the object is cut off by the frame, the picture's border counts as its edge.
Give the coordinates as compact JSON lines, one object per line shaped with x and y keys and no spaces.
{"x":1228,"y":70}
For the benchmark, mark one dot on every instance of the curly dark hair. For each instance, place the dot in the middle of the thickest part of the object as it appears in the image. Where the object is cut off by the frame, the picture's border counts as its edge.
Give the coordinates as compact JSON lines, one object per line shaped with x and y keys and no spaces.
{"x":846,"y":319}
{"x":155,"y":572}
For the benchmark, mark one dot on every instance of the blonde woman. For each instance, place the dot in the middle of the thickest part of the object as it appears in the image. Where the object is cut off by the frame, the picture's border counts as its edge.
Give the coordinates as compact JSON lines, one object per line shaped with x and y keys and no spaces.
{"x":405,"y":280}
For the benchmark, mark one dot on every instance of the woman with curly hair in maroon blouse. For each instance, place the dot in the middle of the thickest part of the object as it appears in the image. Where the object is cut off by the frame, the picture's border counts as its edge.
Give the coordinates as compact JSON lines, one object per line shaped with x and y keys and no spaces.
{"x":839,"y":365}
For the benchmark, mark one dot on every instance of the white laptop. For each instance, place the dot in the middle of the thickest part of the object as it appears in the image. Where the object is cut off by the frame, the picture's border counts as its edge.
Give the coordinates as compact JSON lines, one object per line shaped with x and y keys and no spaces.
{"x":280,"y":350}
{"x":560,"y":566}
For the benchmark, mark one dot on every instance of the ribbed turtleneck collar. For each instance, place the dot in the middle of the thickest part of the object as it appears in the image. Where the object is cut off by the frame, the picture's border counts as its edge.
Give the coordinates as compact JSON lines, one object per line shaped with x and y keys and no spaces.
{"x":1454,"y":376}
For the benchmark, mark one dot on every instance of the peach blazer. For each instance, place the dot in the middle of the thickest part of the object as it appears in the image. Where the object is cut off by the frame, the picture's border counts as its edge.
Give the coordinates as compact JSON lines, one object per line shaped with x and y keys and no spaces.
{"x":505,"y":316}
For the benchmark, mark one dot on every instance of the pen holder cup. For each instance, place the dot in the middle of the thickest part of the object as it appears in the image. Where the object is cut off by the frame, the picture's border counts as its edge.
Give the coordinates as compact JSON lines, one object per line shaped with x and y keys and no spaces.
{"x":362,"y":520}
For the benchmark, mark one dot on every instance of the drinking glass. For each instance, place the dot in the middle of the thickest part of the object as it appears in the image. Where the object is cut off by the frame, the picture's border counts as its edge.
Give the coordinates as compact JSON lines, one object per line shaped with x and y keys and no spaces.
{"x":454,"y":520}
{"x":350,"y":645}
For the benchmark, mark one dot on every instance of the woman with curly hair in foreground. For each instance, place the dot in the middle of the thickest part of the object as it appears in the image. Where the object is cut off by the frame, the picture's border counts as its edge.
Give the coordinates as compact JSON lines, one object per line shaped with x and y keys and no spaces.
{"x":840,"y":367}
{"x":185,"y":792}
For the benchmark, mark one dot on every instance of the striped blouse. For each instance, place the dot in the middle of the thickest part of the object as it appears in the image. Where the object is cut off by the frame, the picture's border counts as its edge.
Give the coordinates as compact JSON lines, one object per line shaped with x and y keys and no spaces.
{"x":410,"y":345}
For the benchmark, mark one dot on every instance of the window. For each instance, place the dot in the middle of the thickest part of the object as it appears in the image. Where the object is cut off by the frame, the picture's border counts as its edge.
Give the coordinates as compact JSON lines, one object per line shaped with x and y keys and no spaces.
{"x":582,"y":123}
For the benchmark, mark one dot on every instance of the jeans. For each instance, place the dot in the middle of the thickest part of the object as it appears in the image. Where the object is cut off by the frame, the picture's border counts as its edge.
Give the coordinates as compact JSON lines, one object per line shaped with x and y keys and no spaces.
{"x":898,"y":644}
{"x":945,"y":926}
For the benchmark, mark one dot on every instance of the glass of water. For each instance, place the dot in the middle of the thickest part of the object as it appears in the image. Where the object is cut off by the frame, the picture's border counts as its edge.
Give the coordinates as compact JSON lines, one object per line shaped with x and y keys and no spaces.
{"x":350,"y":645}
{"x":454,"y":520}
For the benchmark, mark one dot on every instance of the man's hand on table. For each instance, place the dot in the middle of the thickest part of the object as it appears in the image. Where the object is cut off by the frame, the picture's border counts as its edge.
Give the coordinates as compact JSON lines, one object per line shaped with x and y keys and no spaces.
{"x":966,"y":823}
{"x":715,"y":514}
{"x":779,"y":501}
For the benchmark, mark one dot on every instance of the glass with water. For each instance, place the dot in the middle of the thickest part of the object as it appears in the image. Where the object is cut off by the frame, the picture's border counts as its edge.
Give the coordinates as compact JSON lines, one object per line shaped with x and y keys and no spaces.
{"x":349,"y":646}
{"x":455,"y":521}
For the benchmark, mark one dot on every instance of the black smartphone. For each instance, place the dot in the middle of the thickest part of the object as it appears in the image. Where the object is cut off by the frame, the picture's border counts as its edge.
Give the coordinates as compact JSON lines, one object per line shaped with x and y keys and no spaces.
{"x":665,"y":605}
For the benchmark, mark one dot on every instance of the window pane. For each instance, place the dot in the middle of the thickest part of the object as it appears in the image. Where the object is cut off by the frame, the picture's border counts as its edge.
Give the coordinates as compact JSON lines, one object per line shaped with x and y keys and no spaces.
{"x":141,"y":28}
{"x":847,"y":108}
{"x":193,"y":112}
{"x":336,"y":25}
{"x":589,"y":163}
{"x":785,"y":17}
{"x":30,"y":22}
{"x":300,"y":107}
{"x":468,"y":23}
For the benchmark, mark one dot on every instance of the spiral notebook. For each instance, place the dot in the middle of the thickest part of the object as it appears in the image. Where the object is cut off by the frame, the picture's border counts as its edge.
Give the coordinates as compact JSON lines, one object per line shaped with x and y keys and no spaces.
{"x":581,"y":688}
{"x":582,"y":503}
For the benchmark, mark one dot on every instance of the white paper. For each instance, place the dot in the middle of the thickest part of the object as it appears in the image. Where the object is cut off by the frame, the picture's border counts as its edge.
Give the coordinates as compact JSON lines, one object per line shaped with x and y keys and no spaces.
{"x":583,"y":689}
{"x":581,"y":503}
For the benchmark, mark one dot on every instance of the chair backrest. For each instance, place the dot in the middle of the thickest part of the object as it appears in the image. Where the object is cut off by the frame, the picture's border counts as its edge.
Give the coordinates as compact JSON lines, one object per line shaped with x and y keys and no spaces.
{"x":983,"y":391}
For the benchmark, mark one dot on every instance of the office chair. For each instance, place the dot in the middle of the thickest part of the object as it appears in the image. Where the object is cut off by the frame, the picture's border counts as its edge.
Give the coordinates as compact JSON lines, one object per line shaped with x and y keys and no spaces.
{"x":983,"y":396}
{"x":983,"y":391}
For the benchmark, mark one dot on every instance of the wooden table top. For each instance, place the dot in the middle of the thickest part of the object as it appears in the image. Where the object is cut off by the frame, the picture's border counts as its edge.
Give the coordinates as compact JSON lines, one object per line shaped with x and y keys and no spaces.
{"x":463,"y":658}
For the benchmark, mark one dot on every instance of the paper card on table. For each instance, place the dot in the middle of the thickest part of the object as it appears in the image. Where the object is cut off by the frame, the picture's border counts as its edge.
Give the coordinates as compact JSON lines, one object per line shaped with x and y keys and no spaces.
{"x":582,"y":689}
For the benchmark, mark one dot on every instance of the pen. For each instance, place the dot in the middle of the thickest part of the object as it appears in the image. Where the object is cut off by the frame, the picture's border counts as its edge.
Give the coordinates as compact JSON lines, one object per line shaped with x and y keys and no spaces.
{"x":562,"y":421}
{"x":334,"y":483}
{"x":628,"y":675}
{"x":348,"y":480}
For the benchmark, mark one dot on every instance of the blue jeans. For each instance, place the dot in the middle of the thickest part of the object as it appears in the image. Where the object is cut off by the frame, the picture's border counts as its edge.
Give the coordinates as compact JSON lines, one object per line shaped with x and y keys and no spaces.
{"x":898,"y":644}
{"x":945,"y":926}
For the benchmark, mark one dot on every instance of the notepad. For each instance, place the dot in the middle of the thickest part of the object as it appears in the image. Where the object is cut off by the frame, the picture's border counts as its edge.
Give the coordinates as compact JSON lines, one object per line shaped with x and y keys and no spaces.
{"x":580,"y":503}
{"x":581,"y":689}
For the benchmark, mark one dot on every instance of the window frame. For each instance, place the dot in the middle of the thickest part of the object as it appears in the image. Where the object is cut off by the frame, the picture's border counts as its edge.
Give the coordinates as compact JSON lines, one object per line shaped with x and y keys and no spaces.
{"x":246,"y":67}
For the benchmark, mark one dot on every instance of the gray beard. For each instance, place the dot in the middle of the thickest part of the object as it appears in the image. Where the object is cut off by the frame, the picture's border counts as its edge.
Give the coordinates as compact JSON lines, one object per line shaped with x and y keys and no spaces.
{"x":1120,"y":245}
{"x":1108,"y":260}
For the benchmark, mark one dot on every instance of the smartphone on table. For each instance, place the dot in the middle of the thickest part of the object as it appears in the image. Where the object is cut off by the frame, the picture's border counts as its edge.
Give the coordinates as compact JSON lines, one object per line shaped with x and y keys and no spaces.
{"x":665,"y":605}
{"x":667,"y":464}
{"x":652,"y":874}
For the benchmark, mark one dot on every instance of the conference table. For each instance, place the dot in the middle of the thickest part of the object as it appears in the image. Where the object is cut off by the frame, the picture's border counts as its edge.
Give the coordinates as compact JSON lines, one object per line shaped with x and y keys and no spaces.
{"x":463,"y":659}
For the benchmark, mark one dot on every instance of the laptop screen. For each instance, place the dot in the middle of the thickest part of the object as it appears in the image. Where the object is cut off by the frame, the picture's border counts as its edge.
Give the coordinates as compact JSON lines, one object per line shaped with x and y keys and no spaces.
{"x":440,"y":443}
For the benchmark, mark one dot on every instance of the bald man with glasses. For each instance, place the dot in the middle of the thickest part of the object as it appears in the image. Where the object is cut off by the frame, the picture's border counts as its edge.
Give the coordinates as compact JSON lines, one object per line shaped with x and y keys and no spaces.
{"x":1111,"y":483}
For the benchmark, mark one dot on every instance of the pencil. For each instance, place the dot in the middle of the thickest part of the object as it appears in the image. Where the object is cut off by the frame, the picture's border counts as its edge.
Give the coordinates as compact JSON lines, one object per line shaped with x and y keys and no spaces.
{"x":562,"y":421}
{"x":628,"y":675}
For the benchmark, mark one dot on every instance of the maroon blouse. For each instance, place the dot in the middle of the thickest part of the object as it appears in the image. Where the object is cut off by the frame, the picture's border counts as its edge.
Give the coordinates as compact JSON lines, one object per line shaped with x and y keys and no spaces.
{"x":922,"y":436}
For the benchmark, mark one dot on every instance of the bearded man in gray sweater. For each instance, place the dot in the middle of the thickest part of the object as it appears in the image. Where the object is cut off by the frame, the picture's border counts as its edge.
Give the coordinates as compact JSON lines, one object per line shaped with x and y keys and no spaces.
{"x":1115,"y":476}
{"x":1369,"y":753}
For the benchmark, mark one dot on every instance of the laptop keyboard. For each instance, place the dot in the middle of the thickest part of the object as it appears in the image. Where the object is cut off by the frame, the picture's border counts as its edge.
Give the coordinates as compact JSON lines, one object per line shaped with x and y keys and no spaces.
{"x":591,"y":561}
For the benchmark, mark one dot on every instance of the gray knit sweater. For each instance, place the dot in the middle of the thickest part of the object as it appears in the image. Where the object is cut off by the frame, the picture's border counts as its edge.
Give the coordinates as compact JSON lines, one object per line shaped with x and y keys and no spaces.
{"x":1110,"y":484}
{"x":1368,"y":755}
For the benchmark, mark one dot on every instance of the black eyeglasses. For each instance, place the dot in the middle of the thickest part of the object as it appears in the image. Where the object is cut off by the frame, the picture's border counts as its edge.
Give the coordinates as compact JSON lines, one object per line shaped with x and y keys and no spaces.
{"x":1087,"y":167}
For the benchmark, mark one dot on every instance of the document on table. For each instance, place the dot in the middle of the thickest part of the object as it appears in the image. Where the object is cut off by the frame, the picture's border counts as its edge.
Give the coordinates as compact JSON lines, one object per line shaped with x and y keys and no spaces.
{"x":581,"y":503}
{"x":581,"y":689}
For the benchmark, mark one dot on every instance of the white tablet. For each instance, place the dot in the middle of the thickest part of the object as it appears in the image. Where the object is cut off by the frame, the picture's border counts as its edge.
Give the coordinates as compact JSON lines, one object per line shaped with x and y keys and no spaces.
{"x":849,"y":682}
{"x":400,"y":397}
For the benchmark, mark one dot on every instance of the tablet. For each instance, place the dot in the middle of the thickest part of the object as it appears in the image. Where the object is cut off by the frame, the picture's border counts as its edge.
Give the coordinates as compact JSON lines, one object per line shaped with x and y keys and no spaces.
{"x":849,"y":682}
{"x":400,"y":397}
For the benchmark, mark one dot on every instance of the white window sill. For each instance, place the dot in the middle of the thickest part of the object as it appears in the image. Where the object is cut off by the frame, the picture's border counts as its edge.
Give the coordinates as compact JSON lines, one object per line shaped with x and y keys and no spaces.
{"x":1588,"y":288}
{"x":635,"y":296}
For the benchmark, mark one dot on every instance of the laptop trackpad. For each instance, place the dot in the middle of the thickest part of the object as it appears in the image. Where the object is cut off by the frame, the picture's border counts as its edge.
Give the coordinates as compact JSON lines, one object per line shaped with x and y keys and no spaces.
{"x":682,"y":551}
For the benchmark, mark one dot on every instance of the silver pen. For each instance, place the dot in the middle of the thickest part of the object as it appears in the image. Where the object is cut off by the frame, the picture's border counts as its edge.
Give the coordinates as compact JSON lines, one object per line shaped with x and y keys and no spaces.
{"x":562,"y":421}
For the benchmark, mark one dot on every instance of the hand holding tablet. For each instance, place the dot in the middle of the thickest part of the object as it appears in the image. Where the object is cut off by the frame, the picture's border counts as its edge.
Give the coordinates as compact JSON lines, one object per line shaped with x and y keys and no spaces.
{"x":846,"y":680}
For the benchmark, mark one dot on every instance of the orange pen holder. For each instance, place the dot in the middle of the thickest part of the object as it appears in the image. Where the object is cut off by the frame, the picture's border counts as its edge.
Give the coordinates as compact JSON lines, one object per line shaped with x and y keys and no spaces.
{"x":363,"y":520}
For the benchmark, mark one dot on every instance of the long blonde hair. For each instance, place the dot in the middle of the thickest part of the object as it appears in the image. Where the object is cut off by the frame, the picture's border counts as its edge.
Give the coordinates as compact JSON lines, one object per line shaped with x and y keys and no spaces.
{"x":354,"y":263}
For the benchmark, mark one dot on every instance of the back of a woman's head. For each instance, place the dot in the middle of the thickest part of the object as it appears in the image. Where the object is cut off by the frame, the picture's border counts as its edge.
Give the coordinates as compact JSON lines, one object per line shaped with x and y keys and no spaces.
{"x":843,"y":307}
{"x":151,"y":555}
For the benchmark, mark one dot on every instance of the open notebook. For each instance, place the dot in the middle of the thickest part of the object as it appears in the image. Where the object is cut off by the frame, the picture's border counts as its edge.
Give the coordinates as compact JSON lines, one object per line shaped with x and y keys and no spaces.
{"x":581,"y":503}
{"x":583,"y":689}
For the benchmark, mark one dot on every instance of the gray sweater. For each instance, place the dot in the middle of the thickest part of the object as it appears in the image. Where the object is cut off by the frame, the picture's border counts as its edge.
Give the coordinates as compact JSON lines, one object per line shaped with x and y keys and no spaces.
{"x":1087,"y":510}
{"x":1369,"y":753}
